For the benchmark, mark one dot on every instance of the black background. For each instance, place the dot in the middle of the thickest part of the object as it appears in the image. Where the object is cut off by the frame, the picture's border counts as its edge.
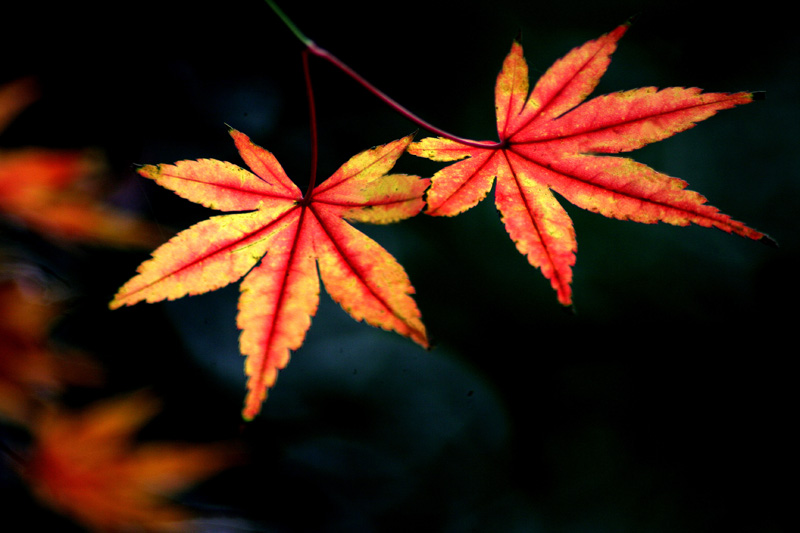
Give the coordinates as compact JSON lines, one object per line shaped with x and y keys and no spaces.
{"x":662,"y":404}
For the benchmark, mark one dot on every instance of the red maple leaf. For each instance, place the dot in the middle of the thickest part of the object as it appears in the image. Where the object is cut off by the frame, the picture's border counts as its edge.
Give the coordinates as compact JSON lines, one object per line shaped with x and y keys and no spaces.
{"x":280,"y":295}
{"x":548,"y":144}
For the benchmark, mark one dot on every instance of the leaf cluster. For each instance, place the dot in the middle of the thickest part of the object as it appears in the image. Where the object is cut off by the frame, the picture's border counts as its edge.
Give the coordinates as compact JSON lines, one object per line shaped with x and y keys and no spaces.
{"x":550,"y":140}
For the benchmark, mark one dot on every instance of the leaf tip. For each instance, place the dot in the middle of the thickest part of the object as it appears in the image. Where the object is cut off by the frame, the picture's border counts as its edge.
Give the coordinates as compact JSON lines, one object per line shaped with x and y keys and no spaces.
{"x":769,"y":241}
{"x":148,"y":171}
{"x":430,"y":342}
{"x":252,"y":407}
{"x":236,"y":135}
{"x":117,"y":301}
{"x":408,"y":139}
{"x":120,"y":300}
{"x":231,"y":130}
{"x":617,"y":33}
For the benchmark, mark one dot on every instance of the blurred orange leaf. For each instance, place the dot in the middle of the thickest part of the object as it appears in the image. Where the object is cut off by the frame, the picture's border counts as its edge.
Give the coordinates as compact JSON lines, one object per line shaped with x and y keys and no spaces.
{"x":87,"y":466}
{"x":51,"y":191}
{"x":32,"y":368}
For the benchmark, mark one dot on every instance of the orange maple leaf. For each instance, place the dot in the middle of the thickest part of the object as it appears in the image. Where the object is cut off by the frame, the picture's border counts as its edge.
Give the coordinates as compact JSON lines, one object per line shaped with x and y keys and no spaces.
{"x":548,"y":144}
{"x":87,"y":466}
{"x":52,"y":191}
{"x":281,"y":294}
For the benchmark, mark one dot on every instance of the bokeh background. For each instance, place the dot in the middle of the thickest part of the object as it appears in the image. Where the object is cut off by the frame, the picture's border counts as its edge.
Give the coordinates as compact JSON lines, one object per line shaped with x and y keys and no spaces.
{"x":663,"y":403}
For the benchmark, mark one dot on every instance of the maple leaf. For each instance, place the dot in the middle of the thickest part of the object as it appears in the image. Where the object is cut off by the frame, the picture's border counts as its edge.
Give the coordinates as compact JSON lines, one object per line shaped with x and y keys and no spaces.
{"x":51,"y":191}
{"x":548,"y":144}
{"x":86,"y":465}
{"x":281,"y":294}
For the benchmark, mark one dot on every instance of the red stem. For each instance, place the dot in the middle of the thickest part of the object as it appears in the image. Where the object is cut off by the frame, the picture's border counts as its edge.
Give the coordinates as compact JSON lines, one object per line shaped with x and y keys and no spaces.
{"x":324,"y":54}
{"x":312,"y":111}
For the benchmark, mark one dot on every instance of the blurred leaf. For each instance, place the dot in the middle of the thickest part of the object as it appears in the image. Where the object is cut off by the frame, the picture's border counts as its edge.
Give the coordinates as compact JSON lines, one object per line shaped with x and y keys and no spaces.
{"x":32,"y":368}
{"x":54,"y":192}
{"x":86,"y":465}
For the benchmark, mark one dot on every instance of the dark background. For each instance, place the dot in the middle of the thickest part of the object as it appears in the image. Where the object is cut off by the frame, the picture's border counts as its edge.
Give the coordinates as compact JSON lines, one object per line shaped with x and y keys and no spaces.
{"x":662,"y":404}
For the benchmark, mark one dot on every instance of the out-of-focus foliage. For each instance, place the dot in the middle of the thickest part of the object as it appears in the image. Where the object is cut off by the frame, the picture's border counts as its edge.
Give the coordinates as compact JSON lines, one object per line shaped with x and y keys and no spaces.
{"x":88,"y":466}
{"x":34,"y":369}
{"x":57,"y":192}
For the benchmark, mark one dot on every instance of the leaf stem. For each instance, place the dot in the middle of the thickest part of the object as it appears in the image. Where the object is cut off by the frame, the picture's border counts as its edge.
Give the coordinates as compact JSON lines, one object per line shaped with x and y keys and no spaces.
{"x":312,"y":112}
{"x":324,"y":54}
{"x":286,"y":20}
